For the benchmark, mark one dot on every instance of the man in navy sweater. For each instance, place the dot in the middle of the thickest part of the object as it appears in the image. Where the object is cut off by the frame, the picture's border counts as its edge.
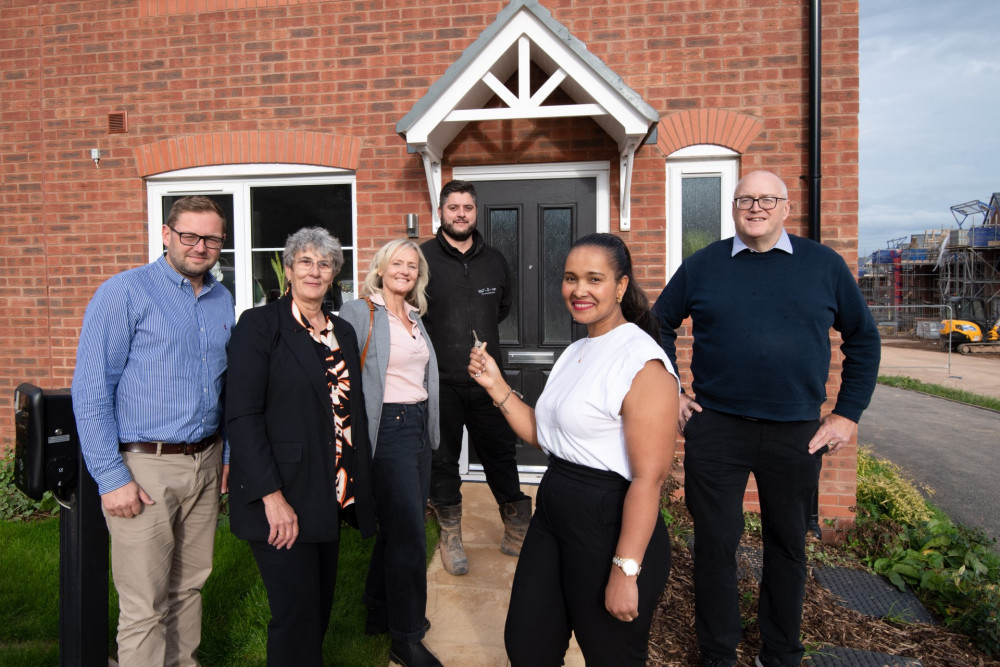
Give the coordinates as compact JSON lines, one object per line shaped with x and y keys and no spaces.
{"x":762,"y":306}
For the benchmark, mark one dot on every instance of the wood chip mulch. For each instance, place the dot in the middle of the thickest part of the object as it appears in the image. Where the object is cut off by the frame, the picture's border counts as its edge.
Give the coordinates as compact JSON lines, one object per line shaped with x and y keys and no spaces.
{"x":825,"y":622}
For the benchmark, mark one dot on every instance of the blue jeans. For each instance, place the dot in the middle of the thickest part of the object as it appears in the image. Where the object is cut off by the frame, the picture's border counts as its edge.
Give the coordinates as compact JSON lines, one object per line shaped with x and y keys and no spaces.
{"x":720,"y":451}
{"x":401,"y":472}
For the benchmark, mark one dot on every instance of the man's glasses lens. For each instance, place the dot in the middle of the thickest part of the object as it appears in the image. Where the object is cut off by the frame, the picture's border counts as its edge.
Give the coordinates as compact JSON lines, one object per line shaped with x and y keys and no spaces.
{"x":766,"y":203}
{"x":211,"y":242}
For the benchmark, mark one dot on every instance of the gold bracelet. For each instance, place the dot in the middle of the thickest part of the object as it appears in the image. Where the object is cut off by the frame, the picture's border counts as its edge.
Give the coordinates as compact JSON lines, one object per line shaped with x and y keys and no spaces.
{"x":510,"y":390}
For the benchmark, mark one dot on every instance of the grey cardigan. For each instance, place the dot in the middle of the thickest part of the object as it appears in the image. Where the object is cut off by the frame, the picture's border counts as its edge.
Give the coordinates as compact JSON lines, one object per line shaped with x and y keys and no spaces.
{"x":356,"y":312}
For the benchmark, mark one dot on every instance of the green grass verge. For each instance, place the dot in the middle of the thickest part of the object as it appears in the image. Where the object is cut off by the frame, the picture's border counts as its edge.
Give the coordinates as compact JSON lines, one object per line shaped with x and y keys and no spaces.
{"x":939,"y":390}
{"x":235,"y":613}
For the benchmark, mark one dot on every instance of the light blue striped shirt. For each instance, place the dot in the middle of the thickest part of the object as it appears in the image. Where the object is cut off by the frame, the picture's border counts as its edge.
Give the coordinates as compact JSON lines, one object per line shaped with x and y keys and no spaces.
{"x":150,"y":366}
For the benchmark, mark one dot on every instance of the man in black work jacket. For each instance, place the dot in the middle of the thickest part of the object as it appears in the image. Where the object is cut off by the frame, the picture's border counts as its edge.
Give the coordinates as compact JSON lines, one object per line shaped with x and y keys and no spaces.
{"x":470,"y":289}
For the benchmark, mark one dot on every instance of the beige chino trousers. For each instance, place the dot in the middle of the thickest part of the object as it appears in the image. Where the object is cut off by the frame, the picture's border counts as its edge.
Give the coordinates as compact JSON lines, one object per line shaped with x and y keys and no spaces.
{"x":161,"y":558}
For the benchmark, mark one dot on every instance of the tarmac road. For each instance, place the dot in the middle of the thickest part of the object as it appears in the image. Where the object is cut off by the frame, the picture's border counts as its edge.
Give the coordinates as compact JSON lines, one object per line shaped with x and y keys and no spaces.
{"x":950,"y":447}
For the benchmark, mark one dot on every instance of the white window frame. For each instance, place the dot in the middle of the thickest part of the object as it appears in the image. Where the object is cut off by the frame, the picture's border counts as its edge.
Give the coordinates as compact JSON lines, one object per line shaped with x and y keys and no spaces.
{"x":236,"y":181}
{"x":698,"y":160}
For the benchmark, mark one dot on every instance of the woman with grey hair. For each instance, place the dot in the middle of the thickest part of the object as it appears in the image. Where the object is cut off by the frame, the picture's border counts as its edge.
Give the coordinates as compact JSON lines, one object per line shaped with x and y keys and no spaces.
{"x":300,"y":462}
{"x":401,"y":396}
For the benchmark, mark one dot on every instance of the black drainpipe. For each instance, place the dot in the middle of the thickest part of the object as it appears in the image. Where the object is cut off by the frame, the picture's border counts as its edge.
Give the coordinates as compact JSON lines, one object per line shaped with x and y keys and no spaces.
{"x":815,"y":90}
{"x":815,"y":123}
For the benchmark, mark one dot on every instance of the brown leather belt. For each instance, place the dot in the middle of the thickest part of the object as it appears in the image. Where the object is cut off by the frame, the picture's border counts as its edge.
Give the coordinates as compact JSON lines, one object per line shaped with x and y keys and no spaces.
{"x":166,"y":447}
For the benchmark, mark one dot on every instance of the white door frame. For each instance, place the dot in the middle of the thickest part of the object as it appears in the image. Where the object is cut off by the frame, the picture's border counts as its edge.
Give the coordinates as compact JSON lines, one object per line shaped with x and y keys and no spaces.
{"x":601,"y":172}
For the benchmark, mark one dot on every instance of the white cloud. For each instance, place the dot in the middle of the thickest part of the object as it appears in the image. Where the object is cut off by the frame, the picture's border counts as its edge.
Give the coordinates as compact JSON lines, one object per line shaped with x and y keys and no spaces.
{"x":930,"y":91}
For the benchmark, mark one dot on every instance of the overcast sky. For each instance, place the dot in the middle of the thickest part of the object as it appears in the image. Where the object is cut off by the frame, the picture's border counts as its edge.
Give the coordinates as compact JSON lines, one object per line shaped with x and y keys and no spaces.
{"x":930,"y":114}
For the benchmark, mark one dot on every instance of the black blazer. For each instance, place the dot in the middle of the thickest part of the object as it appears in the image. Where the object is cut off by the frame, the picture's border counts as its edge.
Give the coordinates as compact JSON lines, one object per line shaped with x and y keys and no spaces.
{"x":280,"y":426}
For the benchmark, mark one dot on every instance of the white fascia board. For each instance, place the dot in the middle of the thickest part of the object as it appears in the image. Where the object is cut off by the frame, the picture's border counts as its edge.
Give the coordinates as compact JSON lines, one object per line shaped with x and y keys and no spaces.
{"x":581,"y":82}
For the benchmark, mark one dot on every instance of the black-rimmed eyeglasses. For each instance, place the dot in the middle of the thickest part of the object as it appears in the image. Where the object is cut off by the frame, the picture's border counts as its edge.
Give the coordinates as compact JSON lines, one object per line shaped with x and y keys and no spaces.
{"x":190,"y":239}
{"x":766,"y":203}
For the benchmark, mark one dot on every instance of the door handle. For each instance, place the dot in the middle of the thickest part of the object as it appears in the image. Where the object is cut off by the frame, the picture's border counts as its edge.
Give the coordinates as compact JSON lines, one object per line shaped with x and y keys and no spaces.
{"x":515,"y":357}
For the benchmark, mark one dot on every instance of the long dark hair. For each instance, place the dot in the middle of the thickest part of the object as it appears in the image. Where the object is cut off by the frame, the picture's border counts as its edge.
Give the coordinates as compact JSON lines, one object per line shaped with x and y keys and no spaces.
{"x":635,"y":305}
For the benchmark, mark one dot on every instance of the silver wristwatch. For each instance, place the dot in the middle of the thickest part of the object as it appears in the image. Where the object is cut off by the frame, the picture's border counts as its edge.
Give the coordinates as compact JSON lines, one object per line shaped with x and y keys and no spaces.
{"x":629,"y":566}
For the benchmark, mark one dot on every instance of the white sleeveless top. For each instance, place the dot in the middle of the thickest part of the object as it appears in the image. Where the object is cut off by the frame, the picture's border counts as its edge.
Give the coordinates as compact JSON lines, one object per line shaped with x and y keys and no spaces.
{"x":578,"y":415}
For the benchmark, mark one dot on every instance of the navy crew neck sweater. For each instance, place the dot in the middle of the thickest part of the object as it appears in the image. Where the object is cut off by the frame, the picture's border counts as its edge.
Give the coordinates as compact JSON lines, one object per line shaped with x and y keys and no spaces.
{"x":761,"y":324}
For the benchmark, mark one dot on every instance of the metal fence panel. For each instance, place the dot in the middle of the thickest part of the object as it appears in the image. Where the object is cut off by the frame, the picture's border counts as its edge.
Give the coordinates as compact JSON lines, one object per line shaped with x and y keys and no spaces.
{"x":915,"y":327}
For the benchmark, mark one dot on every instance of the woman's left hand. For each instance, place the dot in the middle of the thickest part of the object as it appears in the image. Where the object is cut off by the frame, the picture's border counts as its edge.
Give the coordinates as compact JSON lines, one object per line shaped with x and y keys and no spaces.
{"x":621,"y":596}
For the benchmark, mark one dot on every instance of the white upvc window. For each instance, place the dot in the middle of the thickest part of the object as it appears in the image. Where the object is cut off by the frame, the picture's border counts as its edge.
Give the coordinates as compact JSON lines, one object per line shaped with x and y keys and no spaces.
{"x":700,"y":184}
{"x":264,"y":204}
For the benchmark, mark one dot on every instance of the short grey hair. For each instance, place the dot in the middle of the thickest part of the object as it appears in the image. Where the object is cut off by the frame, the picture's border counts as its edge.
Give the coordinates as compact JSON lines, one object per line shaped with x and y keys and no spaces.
{"x":319,"y":241}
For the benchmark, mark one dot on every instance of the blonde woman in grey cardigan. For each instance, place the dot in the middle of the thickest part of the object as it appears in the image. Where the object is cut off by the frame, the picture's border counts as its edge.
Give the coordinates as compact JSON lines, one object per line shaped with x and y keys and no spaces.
{"x":400,"y":381}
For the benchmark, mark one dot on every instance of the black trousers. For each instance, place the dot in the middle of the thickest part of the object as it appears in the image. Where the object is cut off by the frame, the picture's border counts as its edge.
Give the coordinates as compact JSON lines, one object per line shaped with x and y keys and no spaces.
{"x":720,"y":452}
{"x":489,"y":436}
{"x":300,"y":582}
{"x":564,"y":568}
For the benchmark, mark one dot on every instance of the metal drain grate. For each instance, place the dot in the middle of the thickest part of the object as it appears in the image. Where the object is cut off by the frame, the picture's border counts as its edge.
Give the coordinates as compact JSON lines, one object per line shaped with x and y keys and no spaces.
{"x":872,"y":595}
{"x":835,"y":656}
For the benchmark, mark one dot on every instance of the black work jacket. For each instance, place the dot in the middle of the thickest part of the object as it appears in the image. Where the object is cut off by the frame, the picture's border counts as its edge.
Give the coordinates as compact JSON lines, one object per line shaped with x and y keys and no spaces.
{"x":472,"y":290}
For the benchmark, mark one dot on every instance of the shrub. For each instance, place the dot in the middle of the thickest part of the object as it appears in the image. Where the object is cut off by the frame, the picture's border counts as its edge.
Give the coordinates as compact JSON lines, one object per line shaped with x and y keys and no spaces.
{"x":14,"y":505}
{"x":884,"y":492}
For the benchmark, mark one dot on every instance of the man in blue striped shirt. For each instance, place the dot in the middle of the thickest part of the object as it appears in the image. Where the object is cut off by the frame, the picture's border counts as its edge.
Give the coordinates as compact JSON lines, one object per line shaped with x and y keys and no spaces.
{"x":150,"y":370}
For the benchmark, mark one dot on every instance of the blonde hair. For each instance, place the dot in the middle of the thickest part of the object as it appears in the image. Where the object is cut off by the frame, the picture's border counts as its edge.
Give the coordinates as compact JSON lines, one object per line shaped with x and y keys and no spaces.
{"x":417,"y":296}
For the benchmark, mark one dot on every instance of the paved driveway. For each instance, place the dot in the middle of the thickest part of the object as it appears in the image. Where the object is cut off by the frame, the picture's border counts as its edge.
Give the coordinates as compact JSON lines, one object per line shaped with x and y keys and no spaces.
{"x":952,"y":448}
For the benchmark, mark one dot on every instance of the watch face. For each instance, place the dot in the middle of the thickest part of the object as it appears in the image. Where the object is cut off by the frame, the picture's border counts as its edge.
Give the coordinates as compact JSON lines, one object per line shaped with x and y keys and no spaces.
{"x":627,"y":565}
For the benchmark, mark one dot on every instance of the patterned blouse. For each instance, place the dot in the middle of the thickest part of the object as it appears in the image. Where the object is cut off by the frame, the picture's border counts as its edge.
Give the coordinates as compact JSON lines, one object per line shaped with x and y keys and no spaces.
{"x":339,"y":382}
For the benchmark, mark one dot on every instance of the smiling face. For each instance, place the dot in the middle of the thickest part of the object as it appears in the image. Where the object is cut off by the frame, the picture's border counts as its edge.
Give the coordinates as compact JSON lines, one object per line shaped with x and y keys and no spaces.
{"x":309,"y":282}
{"x":193,"y":262}
{"x":758,"y":228}
{"x":458,"y":215}
{"x":400,"y":274}
{"x":590,"y":290}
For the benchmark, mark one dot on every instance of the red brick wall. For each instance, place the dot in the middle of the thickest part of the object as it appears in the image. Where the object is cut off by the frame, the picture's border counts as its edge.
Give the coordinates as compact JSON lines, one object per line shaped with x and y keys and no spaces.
{"x":352,"y":70}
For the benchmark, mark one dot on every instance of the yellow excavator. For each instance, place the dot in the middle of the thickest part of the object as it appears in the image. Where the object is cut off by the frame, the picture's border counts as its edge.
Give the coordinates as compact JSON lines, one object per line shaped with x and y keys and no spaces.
{"x":970,"y":331}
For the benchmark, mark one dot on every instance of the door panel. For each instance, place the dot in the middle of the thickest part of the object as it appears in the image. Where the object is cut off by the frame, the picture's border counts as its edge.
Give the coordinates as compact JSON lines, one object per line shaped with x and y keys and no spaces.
{"x":534,"y":223}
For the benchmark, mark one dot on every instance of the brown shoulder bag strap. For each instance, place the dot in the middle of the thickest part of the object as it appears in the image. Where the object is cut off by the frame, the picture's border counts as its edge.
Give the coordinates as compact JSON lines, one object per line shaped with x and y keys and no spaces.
{"x":371,"y":323}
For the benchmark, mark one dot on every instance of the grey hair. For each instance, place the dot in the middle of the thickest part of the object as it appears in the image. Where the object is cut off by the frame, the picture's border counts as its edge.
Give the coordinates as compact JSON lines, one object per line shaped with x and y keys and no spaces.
{"x":319,"y":240}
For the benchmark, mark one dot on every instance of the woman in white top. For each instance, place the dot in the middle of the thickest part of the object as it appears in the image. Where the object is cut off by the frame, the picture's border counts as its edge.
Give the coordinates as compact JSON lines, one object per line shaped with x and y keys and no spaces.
{"x":596,"y":557}
{"x":400,"y":382}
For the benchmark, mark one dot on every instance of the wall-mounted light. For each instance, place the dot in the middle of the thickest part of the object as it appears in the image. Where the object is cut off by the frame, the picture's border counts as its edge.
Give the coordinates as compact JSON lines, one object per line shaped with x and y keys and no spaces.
{"x":412,"y":222}
{"x":95,"y":155}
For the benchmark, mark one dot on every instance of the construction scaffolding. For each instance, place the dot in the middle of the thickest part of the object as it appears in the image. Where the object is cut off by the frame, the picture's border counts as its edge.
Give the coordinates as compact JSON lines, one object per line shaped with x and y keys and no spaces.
{"x":932,"y":267}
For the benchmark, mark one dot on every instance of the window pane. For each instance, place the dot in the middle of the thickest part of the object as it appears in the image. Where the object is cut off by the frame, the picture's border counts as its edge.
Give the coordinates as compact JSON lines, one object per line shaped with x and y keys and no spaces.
{"x":502,"y":234}
{"x":701,"y":212}
{"x":278,"y":212}
{"x":557,"y":230}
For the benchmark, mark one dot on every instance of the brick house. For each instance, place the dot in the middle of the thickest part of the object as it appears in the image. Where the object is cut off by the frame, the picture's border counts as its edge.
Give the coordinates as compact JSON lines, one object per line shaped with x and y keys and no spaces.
{"x":571,"y":115}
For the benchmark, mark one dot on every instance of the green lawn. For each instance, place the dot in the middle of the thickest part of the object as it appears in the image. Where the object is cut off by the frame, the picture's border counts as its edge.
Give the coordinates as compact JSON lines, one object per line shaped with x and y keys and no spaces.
{"x":235,"y":614}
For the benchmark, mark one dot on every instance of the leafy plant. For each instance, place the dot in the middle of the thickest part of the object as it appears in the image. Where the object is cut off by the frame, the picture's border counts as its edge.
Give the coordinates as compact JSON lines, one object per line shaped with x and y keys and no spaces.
{"x":279,"y":272}
{"x":954,"y":570}
{"x":14,"y":505}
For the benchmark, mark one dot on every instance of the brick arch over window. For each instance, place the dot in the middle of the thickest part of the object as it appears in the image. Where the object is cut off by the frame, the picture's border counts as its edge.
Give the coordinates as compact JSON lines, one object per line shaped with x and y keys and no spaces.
{"x":289,"y":147}
{"x":733,"y":130}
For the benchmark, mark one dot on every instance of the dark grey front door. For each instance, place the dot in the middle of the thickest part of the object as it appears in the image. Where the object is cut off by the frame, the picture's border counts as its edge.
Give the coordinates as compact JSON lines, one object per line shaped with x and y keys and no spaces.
{"x":534,"y":223}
